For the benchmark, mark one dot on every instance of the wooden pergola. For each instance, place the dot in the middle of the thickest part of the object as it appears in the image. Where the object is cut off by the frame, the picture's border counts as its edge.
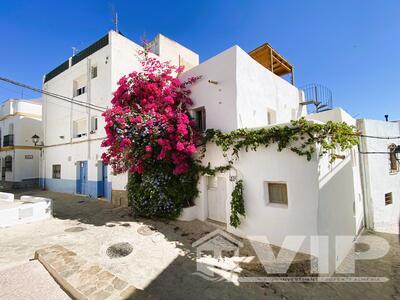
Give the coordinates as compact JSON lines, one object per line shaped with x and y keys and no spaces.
{"x":272,"y":60}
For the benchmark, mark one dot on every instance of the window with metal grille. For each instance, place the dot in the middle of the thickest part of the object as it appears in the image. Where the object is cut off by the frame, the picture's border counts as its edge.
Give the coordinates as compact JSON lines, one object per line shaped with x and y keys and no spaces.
{"x":277,"y":193}
{"x":56,"y":171}
{"x":199,"y":117}
{"x":93,"y":124}
{"x":8,"y":163}
{"x":394,"y":164}
{"x":388,"y":198}
{"x":81,"y":91}
{"x":93,"y":72}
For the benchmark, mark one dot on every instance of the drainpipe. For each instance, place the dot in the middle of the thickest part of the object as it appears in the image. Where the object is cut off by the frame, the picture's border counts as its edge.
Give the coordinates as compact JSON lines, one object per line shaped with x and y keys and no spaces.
{"x":89,"y":97}
{"x":43,"y":150}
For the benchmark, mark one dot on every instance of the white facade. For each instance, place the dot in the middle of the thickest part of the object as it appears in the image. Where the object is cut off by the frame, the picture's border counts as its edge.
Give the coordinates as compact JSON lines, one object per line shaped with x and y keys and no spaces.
{"x":380,"y":181}
{"x":73,"y":134}
{"x":323,"y":198}
{"x":19,"y":121}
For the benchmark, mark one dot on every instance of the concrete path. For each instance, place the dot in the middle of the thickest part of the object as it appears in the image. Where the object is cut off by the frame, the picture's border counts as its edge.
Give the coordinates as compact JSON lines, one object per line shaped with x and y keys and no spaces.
{"x":163,"y":263}
{"x":29,"y":281}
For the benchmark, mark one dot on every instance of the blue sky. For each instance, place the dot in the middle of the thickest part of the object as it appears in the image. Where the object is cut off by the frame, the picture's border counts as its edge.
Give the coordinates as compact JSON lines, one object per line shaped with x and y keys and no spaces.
{"x":350,"y":46}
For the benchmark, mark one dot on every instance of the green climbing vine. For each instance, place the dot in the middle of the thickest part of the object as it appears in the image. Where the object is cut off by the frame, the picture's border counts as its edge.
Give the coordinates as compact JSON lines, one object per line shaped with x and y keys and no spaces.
{"x":237,"y":204}
{"x":301,"y":137}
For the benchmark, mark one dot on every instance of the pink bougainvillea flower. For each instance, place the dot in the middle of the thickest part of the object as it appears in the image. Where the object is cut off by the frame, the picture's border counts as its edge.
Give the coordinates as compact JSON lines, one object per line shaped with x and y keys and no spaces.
{"x":149,"y":120}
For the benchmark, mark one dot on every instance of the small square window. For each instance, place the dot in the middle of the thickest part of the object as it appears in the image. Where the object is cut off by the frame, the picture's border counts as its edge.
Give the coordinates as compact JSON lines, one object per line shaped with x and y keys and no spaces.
{"x":277,"y":193}
{"x":388,"y":198}
{"x":56,"y":171}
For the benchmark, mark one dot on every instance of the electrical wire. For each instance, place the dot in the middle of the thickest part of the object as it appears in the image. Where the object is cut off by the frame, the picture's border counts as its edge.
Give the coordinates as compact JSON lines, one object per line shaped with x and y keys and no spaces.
{"x":61,"y":97}
{"x":102,"y":108}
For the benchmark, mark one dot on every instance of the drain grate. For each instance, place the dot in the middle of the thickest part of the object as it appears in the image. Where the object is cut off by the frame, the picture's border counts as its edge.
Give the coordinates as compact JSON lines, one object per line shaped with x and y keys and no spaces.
{"x":146,"y":230}
{"x":119,"y":250}
{"x":75,"y":229}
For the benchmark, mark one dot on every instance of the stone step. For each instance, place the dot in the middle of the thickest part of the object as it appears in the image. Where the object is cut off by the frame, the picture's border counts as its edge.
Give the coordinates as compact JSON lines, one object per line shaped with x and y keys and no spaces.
{"x":85,"y":280}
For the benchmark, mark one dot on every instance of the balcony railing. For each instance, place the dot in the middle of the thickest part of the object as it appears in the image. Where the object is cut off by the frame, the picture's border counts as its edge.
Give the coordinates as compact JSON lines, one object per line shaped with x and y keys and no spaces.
{"x":8,"y":140}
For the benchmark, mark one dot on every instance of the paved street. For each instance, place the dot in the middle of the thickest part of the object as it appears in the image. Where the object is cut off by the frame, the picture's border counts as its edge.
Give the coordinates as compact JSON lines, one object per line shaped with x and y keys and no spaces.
{"x":162,"y":262}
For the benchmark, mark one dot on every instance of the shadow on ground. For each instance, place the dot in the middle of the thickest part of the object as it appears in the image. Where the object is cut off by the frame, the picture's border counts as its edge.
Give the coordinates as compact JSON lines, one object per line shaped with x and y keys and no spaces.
{"x":178,"y":281}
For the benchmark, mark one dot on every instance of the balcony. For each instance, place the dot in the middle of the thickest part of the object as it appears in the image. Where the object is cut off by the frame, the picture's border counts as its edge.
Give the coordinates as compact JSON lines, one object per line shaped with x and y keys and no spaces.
{"x":8,"y":140}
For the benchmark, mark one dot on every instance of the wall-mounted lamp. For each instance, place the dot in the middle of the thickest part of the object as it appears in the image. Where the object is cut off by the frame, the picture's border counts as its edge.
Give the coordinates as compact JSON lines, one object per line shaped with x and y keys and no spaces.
{"x":232,"y":174}
{"x":35,"y":139}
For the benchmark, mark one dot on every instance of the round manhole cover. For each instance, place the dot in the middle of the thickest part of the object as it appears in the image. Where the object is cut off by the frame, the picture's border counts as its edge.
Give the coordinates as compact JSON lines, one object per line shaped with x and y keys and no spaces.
{"x":119,"y":250}
{"x":146,"y":230}
{"x":75,"y":229}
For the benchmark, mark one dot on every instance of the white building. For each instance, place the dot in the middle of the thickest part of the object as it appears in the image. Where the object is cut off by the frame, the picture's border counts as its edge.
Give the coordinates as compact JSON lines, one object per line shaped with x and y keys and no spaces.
{"x":381,"y":178}
{"x":72,"y":133}
{"x":285,"y":195}
{"x":20,"y":157}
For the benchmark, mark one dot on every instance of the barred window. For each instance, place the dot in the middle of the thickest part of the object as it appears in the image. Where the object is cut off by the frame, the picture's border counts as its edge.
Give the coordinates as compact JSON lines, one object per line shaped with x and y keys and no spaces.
{"x":394,"y":164}
{"x":8,"y":163}
{"x":56,"y":171}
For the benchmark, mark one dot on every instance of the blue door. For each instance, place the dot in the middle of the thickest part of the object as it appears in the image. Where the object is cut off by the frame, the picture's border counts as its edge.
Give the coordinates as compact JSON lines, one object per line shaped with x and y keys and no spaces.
{"x":81,"y":184}
{"x":102,"y":184}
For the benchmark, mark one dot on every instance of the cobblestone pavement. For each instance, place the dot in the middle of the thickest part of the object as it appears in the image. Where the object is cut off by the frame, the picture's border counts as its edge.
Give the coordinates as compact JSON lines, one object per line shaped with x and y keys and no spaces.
{"x":162,"y":261}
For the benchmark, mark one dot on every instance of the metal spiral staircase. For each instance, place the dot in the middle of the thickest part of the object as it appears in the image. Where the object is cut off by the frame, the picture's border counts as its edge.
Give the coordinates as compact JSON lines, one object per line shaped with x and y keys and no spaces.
{"x":317,"y":97}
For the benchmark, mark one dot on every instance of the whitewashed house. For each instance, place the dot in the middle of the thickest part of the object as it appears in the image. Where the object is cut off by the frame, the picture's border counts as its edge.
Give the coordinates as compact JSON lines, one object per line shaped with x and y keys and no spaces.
{"x":20,"y":120}
{"x":285,"y":195}
{"x":380,"y":154}
{"x":72,"y":133}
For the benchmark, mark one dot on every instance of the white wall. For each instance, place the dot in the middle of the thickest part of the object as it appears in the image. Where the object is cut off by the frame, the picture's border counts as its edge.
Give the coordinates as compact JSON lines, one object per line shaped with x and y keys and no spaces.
{"x":219,"y":99}
{"x":244,"y":92}
{"x":258,"y":90}
{"x":377,"y":177}
{"x":169,"y":50}
{"x":299,"y":217}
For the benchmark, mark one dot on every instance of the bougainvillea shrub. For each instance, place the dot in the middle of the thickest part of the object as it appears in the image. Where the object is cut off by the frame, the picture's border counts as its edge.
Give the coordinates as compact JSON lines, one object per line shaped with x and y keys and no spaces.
{"x":150,"y":135}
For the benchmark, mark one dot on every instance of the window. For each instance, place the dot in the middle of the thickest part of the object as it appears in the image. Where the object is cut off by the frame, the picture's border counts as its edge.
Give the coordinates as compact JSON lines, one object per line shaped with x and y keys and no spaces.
{"x":56,"y":171}
{"x":93,"y":124}
{"x":199,"y":117}
{"x":388,"y":198}
{"x":80,"y":128}
{"x":394,"y":164}
{"x":93,"y":72}
{"x":80,"y":86}
{"x":80,"y":91}
{"x":271,"y":116}
{"x":277,"y":193}
{"x":8,"y":163}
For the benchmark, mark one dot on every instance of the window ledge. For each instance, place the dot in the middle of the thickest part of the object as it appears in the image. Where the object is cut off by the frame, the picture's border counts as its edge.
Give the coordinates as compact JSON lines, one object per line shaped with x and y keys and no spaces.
{"x":277,"y":205}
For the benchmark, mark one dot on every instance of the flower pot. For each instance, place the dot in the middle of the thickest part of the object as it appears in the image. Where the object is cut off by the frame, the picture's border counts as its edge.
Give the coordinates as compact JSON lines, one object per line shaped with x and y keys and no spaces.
{"x":188,"y":214}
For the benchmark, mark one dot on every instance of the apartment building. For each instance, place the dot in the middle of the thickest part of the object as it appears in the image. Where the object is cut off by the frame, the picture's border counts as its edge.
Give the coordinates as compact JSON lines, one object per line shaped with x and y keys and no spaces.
{"x":72,"y":132}
{"x":20,"y":142}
